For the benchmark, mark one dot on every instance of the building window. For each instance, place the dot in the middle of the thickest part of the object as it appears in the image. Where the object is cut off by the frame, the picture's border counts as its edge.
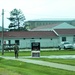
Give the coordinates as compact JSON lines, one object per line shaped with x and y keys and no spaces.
{"x":32,"y":38}
{"x":63,"y":38}
{"x":9,"y":42}
{"x":74,"y":38}
{"x":0,"y":42}
{"x":51,"y":39}
{"x":24,"y":38}
{"x":17,"y":42}
{"x":40,"y":38}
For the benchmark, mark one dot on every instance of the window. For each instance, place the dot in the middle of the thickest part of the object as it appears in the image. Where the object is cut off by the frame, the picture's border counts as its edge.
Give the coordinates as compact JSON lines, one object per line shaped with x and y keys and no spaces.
{"x":32,"y":38}
{"x":51,"y":38}
{"x":17,"y":42}
{"x":24,"y":38}
{"x":63,"y":38}
{"x":74,"y":38}
{"x":40,"y":38}
{"x":0,"y":42}
{"x":9,"y":42}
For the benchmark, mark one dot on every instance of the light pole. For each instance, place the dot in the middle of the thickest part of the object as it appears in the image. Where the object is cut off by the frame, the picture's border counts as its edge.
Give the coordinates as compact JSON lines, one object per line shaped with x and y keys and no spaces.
{"x":2,"y":31}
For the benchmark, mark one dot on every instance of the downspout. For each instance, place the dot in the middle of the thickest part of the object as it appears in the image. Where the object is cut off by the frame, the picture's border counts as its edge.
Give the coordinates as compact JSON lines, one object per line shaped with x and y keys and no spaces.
{"x":57,"y":35}
{"x":55,"y":32}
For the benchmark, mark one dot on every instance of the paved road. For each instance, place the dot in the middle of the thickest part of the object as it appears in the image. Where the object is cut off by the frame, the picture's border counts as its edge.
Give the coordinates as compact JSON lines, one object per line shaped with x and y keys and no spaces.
{"x":44,"y":63}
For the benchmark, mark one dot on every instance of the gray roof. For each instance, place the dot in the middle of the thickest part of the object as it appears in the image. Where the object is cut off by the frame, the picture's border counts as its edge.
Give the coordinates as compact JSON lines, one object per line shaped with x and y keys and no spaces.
{"x":53,"y":19}
{"x":63,"y":25}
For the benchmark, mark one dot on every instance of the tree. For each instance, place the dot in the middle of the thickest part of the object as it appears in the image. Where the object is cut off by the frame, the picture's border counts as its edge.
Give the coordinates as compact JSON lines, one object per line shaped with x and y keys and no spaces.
{"x":17,"y":19}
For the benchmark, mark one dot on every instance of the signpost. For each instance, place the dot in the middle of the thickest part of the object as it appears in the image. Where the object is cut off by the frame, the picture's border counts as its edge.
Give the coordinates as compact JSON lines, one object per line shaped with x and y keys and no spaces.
{"x":35,"y":49}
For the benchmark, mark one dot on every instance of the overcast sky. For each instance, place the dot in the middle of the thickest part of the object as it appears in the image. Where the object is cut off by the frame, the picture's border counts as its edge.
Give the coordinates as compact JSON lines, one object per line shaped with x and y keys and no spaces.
{"x":39,"y":9}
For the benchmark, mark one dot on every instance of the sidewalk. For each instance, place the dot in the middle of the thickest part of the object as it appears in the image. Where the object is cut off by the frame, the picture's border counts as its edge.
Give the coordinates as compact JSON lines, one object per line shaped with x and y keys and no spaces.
{"x":44,"y":63}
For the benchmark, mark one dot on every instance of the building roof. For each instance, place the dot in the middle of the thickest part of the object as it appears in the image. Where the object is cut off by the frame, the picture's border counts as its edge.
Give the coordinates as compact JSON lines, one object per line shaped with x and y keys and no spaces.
{"x":65,"y":31}
{"x":45,"y":27}
{"x":37,"y":34}
{"x":51,"y":19}
{"x":63,"y":25}
{"x":29,"y":34}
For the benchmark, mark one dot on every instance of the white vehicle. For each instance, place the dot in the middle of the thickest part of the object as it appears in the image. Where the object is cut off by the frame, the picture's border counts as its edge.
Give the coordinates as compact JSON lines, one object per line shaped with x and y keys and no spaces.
{"x":73,"y":45}
{"x":65,"y":45}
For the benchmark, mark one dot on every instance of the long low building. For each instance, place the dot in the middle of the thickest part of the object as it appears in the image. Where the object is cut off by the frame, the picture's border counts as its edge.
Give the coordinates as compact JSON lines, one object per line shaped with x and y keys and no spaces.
{"x":46,"y":38}
{"x":25,"y":38}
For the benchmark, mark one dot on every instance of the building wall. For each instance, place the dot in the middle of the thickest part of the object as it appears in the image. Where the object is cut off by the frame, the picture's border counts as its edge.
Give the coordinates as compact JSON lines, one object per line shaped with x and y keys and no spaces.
{"x":68,"y":38}
{"x":44,"y":42}
{"x":50,"y":42}
{"x":26,"y":43}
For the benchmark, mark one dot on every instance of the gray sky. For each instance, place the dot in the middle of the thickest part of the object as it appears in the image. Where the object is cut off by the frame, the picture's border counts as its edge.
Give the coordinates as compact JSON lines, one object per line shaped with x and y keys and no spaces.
{"x":39,"y":9}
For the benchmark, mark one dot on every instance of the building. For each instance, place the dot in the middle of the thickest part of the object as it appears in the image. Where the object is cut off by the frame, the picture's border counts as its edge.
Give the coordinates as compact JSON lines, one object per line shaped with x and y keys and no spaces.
{"x":47,"y":39}
{"x":48,"y":36}
{"x":35,"y":23}
{"x":63,"y":25}
{"x":66,"y":35}
{"x":25,"y":38}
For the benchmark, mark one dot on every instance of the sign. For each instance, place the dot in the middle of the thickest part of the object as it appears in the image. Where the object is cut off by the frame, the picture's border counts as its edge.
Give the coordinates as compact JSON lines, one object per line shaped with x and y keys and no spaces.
{"x":35,"y":46}
{"x":35,"y":49}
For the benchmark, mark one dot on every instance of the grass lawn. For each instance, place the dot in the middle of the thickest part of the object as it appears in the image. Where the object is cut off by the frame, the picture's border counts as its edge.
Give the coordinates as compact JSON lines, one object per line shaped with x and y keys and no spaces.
{"x":7,"y":72}
{"x":43,"y":53}
{"x":12,"y":67}
{"x":62,"y":61}
{"x":21,"y":53}
{"x":58,"y":52}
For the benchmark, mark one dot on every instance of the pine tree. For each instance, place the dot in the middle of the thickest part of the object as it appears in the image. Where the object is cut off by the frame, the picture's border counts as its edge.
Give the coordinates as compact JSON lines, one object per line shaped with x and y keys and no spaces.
{"x":17,"y":19}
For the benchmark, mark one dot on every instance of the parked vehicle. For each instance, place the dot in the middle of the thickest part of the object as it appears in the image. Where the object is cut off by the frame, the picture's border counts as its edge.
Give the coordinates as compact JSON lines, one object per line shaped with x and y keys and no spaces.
{"x":65,"y":45}
{"x":73,"y":45}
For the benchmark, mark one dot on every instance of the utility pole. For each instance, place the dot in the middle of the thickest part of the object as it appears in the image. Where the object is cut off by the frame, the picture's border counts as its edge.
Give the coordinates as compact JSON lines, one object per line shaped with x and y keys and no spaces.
{"x":2,"y":31}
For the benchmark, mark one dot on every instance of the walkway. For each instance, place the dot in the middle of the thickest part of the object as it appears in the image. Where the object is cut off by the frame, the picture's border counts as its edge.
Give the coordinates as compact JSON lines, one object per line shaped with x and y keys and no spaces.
{"x":44,"y":63}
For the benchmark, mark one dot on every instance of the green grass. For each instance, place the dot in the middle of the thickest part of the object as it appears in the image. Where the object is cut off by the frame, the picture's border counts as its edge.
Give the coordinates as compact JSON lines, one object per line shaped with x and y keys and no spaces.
{"x":12,"y":67}
{"x":43,"y":53}
{"x":58,"y":52}
{"x":21,"y":53}
{"x":62,"y":61}
{"x":7,"y":72}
